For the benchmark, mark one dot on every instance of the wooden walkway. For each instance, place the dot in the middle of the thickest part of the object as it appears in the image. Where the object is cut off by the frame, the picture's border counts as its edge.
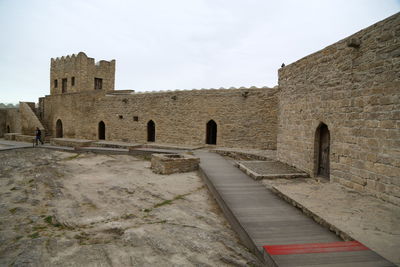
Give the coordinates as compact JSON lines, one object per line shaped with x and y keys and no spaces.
{"x":278,"y":233}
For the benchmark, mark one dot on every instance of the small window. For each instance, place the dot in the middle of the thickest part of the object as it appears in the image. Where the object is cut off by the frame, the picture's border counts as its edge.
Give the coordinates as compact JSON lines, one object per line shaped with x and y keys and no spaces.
{"x":72,"y":81}
{"x":55,"y":83}
{"x":98,"y":83}
{"x":120,"y":117}
{"x":135,"y":118}
{"x":64,"y":85}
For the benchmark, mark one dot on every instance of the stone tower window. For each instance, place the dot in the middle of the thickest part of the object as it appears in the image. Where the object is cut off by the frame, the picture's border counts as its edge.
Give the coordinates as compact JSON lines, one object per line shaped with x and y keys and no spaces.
{"x":55,"y":83}
{"x":98,"y":83}
{"x":72,"y":81}
{"x":135,"y":118}
{"x":64,"y":85}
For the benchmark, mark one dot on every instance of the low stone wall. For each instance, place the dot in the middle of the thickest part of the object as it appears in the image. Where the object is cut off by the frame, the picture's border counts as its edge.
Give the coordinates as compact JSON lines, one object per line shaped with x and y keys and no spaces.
{"x":24,"y":138}
{"x":70,"y":142}
{"x":172,"y":163}
{"x":10,"y":136}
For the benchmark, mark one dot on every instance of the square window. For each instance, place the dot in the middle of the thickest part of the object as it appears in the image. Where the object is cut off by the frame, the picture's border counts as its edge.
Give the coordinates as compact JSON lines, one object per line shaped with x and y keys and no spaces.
{"x":135,"y":118}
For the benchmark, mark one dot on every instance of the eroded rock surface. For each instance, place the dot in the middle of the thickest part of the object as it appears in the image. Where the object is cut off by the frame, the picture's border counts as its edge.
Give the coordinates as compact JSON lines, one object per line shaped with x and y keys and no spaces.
{"x":66,"y":209}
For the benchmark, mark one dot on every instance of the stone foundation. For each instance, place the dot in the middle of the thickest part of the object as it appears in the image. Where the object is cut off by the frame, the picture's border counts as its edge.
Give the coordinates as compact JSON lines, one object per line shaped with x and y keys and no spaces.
{"x":70,"y":142}
{"x":24,"y":138}
{"x":173,"y":163}
{"x":10,"y":136}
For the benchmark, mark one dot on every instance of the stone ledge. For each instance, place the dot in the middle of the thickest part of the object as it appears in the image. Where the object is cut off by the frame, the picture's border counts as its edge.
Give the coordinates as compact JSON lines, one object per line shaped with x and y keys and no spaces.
{"x":312,"y":215}
{"x":24,"y":138}
{"x":70,"y":142}
{"x":271,"y":170}
{"x":10,"y":136}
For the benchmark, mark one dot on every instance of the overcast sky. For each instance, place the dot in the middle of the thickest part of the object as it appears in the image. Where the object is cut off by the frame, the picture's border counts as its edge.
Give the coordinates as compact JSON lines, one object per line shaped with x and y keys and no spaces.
{"x":174,"y":44}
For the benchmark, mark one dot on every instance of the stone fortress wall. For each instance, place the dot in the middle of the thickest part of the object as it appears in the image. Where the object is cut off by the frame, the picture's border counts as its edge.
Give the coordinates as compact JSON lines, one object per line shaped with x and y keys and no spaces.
{"x":79,"y":72}
{"x":352,"y":86}
{"x":245,"y":118}
{"x":10,"y":119}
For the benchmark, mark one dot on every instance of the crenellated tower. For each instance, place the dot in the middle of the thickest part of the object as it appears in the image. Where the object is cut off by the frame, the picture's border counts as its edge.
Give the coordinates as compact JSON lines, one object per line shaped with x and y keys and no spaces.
{"x":78,"y":73}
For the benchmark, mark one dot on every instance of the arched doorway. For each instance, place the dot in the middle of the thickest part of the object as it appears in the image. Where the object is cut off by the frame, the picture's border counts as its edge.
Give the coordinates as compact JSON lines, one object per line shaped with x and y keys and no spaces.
{"x":59,"y":129}
{"x":322,"y":145}
{"x":102,"y":131}
{"x":8,"y":128}
{"x":211,"y":133}
{"x":151,"y":131}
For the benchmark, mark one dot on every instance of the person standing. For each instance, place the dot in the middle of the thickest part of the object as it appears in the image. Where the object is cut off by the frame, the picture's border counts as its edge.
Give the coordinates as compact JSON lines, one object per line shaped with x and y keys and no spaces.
{"x":38,"y":133}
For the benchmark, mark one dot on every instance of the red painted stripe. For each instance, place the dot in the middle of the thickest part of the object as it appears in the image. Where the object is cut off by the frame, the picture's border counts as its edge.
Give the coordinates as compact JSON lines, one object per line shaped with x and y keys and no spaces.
{"x":315,"y":248}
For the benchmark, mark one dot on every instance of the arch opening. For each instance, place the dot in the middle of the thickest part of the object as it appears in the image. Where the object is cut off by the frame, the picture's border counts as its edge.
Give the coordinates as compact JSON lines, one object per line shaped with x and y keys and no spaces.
{"x":102,"y":130}
{"x":211,"y":133}
{"x":151,"y":131}
{"x":59,"y":129}
{"x":322,"y":148}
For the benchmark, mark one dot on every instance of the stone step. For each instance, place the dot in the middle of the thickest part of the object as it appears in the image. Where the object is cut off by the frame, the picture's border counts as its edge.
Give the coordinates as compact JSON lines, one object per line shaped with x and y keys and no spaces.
{"x":115,"y":144}
{"x":270,"y":169}
{"x":70,"y":142}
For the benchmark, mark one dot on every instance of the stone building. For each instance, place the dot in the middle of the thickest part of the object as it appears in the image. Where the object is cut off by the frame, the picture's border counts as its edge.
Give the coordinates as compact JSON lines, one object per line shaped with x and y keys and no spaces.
{"x":339,"y":111}
{"x":335,"y":113}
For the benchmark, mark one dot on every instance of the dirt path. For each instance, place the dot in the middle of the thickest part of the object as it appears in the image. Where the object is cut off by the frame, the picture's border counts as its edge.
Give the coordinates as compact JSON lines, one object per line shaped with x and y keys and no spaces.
{"x":66,"y":209}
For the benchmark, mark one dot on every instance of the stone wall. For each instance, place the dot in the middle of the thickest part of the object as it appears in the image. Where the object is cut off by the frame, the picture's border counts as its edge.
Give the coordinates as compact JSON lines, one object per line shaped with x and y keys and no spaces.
{"x":84,"y":70}
{"x":13,"y":120}
{"x":353,"y":86}
{"x":246,"y":118}
{"x":28,"y":119}
{"x":3,"y":126}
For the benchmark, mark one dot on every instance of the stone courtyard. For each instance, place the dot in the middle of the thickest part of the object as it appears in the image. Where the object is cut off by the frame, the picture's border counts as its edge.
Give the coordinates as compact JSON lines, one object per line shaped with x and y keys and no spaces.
{"x":333,"y":121}
{"x":68,"y":209}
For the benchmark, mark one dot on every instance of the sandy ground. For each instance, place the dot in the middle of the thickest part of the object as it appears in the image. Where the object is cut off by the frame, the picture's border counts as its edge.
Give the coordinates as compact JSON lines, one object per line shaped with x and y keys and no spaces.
{"x":67,"y":209}
{"x":367,"y":219}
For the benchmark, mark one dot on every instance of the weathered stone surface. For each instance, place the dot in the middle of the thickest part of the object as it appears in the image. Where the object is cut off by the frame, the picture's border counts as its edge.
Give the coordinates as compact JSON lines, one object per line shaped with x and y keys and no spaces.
{"x":84,"y":70}
{"x":173,"y":163}
{"x":249,"y":122}
{"x":70,"y":142}
{"x":355,"y":92}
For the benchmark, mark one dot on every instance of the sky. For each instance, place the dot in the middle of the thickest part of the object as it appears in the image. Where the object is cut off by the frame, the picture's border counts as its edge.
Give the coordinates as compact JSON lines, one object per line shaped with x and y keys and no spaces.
{"x":174,"y":44}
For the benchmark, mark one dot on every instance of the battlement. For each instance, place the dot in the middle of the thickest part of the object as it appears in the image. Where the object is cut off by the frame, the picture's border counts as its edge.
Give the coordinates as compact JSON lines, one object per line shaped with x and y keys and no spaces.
{"x":77,"y":73}
{"x":244,"y":90}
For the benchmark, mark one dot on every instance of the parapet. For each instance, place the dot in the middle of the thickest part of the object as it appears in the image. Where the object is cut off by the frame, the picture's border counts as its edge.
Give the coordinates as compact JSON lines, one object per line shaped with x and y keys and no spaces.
{"x":80,"y":57}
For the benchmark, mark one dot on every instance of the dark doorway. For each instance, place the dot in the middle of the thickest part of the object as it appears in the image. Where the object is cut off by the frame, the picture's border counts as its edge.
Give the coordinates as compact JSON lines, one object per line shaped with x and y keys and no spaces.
{"x":102,"y":131}
{"x":323,"y":146}
{"x":59,"y":129}
{"x":151,"y":131}
{"x":8,"y":128}
{"x":211,"y":132}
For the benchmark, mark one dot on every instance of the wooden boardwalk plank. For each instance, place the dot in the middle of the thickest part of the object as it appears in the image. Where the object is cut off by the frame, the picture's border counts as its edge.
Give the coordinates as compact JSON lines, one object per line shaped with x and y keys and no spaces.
{"x":262,"y":218}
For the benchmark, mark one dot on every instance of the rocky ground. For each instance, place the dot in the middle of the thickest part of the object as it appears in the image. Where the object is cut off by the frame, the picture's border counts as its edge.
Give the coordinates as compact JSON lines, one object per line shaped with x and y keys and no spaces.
{"x":67,"y":209}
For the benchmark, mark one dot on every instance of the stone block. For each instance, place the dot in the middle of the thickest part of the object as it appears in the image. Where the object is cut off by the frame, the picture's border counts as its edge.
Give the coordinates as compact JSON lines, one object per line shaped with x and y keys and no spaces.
{"x":10,"y":136}
{"x":24,"y":138}
{"x":70,"y":142}
{"x":173,"y":163}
